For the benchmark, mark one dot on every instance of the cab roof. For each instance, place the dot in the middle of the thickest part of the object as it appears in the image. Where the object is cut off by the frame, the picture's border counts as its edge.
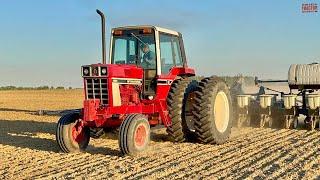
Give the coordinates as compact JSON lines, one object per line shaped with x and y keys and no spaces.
{"x":149,"y":26}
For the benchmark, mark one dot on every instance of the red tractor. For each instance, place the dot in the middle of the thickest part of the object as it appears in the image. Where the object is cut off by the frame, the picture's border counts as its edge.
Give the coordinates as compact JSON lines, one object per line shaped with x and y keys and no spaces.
{"x":146,"y":83}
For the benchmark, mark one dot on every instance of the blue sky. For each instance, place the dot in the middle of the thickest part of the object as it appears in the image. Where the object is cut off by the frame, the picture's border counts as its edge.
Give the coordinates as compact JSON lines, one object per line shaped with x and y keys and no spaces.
{"x":46,"y":42}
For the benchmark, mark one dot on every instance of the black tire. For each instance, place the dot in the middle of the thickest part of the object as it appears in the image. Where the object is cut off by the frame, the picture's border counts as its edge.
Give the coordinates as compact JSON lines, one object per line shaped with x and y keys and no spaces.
{"x":270,"y":122}
{"x":180,"y":110}
{"x":64,"y":134}
{"x":295,"y":123}
{"x":254,"y":114}
{"x":310,"y":124}
{"x":129,"y":142}
{"x":207,"y":130}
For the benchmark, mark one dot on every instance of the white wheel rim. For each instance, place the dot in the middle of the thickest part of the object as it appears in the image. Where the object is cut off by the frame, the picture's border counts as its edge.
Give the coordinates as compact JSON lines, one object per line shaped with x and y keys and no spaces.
{"x":221,"y":112}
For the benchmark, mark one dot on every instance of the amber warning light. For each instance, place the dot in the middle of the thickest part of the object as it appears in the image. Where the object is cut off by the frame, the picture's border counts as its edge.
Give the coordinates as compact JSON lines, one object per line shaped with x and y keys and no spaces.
{"x":118,"y":32}
{"x":147,"y":31}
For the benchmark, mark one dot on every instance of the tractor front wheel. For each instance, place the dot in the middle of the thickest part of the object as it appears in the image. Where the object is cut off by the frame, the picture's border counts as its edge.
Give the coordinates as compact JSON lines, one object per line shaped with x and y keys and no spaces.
{"x":134,"y":134}
{"x":71,"y":135}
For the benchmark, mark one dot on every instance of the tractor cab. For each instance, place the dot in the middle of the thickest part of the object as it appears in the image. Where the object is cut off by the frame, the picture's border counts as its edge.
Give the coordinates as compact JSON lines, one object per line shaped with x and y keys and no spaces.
{"x":143,"y":62}
{"x":156,"y":50}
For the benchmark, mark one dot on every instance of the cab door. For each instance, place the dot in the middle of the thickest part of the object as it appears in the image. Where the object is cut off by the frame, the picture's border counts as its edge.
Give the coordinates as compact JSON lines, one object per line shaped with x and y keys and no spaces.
{"x":170,"y":52}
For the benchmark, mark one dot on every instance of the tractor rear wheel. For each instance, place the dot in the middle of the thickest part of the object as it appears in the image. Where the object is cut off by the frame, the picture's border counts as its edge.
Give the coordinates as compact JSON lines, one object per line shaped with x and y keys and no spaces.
{"x":180,"y":102}
{"x":134,"y":134}
{"x":71,"y":135}
{"x":213,"y":111}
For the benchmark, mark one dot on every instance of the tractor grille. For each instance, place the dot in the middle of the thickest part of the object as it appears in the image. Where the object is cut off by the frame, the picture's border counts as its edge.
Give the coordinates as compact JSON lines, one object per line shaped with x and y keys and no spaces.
{"x":97,"y":89}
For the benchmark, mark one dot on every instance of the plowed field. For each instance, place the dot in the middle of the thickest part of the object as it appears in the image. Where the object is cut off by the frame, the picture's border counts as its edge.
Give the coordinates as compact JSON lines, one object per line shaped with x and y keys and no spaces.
{"x":28,"y":149}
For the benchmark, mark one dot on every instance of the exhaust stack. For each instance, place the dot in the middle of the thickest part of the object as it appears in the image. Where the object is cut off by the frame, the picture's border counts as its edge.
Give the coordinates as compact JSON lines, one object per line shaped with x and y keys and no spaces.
{"x":103,"y":40}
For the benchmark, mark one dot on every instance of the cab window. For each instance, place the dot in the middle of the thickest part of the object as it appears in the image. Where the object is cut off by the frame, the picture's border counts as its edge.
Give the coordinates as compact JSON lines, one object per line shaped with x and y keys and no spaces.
{"x":170,"y":52}
{"x":134,"y":47}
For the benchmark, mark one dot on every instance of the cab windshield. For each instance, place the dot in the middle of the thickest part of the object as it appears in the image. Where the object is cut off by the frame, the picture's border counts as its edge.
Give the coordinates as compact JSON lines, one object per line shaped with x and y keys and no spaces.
{"x":134,"y":47}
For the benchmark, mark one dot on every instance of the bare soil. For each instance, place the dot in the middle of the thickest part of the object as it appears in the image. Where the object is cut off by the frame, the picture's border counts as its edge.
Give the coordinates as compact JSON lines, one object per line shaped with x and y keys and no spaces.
{"x":28,"y":149}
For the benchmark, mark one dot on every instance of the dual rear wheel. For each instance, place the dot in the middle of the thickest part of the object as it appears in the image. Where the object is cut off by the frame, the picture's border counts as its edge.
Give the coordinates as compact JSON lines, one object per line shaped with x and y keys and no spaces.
{"x":200,"y":111}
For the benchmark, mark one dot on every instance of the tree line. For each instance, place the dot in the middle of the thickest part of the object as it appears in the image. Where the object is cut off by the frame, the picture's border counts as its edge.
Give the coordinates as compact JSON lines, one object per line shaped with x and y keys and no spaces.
{"x":230,"y":80}
{"x":33,"y":88}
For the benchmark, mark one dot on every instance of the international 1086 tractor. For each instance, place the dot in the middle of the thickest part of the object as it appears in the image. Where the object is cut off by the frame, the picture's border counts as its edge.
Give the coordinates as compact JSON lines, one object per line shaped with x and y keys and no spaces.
{"x":147,"y":82}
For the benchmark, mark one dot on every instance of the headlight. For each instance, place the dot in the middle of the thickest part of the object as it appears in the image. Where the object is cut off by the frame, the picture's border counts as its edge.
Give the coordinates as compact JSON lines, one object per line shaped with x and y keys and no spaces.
{"x":86,"y":71}
{"x":103,"y":71}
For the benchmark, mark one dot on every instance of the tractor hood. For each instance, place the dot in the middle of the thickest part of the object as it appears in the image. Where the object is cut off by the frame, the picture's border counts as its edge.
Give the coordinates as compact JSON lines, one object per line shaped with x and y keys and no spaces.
{"x":112,"y":71}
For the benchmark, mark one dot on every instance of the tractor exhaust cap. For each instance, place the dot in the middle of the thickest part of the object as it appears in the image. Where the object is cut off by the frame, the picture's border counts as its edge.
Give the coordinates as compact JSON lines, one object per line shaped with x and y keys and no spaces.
{"x":103,"y":33}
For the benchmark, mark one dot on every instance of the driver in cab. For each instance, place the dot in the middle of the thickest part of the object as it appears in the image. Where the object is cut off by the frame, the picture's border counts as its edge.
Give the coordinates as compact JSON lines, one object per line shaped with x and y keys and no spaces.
{"x":148,"y":58}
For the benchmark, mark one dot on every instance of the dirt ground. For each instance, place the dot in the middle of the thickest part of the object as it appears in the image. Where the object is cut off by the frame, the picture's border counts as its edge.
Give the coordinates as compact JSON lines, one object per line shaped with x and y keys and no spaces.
{"x":28,"y":149}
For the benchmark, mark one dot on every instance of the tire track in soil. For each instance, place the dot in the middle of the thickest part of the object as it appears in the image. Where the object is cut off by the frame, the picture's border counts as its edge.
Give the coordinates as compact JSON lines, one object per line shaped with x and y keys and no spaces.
{"x":300,"y":159}
{"x":233,"y":141}
{"x":97,"y":163}
{"x":24,"y":164}
{"x":193,"y":153}
{"x":42,"y":161}
{"x":101,"y":165}
{"x":264,"y":160}
{"x":202,"y":155}
{"x":130,"y":170}
{"x":314,"y":164}
{"x":85,"y":164}
{"x":290,"y":152}
{"x":70,"y":163}
{"x":206,"y":163}
{"x":65,"y":162}
{"x":129,"y":159}
{"x":37,"y":162}
{"x":164,"y":159}
{"x":56,"y":161}
{"x":296,"y":171}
